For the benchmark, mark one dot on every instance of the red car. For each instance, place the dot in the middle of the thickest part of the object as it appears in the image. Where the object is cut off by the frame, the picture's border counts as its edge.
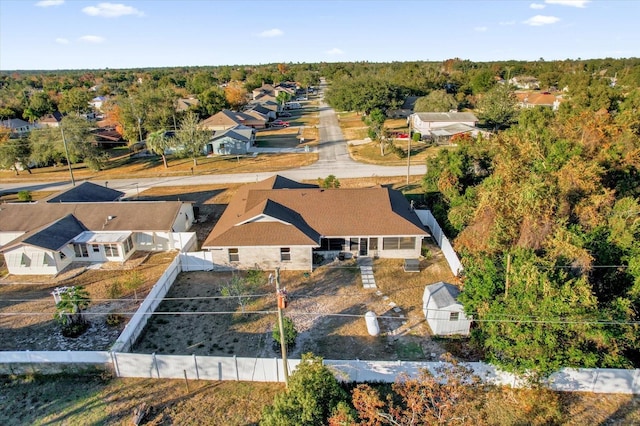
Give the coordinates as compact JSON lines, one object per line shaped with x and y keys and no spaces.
{"x":279,"y":123}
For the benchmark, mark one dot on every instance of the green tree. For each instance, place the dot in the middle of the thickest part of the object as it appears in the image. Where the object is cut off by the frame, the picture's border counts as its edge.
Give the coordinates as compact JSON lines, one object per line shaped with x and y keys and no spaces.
{"x":39,"y":104}
{"x":375,"y":120}
{"x":46,"y":146}
{"x":498,"y":107}
{"x":15,"y":154}
{"x":212,"y":101}
{"x":436,"y":101}
{"x":242,"y":288}
{"x":329,"y":182}
{"x":290,"y":332}
{"x":190,"y":138}
{"x":69,"y":311}
{"x":482,"y":81}
{"x":80,"y":142}
{"x":311,"y":398}
{"x":158,"y":142}
{"x":75,"y":100}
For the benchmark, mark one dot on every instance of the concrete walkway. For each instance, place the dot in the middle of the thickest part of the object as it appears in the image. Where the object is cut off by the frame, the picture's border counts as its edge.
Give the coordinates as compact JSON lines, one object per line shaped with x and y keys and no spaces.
{"x":366,"y":272}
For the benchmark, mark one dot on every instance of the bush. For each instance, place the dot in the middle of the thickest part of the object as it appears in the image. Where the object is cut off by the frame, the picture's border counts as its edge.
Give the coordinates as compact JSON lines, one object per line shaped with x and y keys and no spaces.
{"x":290,"y":333}
{"x":114,"y":320}
{"x":24,"y":196}
{"x":74,"y":329}
{"x":114,"y":291}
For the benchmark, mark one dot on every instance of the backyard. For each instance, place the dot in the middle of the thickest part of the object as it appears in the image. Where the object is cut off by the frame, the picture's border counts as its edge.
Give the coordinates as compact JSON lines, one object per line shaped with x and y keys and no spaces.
{"x":327,"y":307}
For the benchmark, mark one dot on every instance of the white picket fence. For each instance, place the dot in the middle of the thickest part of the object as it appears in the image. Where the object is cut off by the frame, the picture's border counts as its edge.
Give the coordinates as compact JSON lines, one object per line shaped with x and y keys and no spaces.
{"x":196,"y":367}
{"x":430,"y":222}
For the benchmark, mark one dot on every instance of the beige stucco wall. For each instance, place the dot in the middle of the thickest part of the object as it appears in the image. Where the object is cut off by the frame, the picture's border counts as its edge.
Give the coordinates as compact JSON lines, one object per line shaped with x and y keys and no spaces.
{"x":265,"y":257}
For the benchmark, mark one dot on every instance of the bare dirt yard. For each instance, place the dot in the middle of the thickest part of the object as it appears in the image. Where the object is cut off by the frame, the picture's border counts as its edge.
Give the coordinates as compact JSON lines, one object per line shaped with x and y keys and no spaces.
{"x":27,"y":306}
{"x":327,"y":307}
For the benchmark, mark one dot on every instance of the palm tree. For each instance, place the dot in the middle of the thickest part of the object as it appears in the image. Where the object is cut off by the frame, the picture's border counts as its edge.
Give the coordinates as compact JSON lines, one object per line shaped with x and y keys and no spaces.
{"x":69,"y":310}
{"x":158,"y":142}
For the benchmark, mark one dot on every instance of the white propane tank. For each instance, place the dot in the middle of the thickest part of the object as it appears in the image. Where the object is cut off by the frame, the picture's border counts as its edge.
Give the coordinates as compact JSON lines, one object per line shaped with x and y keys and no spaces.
{"x":372,"y":323}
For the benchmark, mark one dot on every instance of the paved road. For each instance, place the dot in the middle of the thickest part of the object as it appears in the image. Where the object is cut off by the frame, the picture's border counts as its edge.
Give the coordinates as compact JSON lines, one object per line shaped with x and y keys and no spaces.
{"x":333,"y":159}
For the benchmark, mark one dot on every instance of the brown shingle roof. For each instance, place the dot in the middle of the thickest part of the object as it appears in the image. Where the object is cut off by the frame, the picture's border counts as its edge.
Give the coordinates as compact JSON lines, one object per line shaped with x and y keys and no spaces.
{"x":252,"y":219}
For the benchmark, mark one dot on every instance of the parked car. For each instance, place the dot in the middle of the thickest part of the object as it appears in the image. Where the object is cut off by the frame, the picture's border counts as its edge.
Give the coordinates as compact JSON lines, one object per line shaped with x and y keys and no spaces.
{"x":279,"y":123}
{"x":285,"y":114}
{"x":301,"y":98}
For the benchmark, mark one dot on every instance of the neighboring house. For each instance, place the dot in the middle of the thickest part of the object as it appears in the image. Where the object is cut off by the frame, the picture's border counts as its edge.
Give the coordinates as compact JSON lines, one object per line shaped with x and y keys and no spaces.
{"x":50,"y":120}
{"x":237,"y":140}
{"x":17,"y":127}
{"x":268,"y":113}
{"x":264,"y":90}
{"x":525,"y":82}
{"x":43,"y":238}
{"x":405,"y":110}
{"x":186,"y":104}
{"x":227,"y":119}
{"x":534,"y":99}
{"x":444,"y":314}
{"x":86,"y":192}
{"x":443,"y":125}
{"x":282,"y":223}
{"x":97,"y":102}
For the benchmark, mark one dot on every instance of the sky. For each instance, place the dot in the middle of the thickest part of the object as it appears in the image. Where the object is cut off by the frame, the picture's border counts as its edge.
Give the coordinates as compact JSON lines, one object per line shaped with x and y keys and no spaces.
{"x":71,"y":34}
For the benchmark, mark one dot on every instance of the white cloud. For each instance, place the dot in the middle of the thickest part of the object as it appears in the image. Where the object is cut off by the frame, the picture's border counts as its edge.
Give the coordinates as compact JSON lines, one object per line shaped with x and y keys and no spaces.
{"x":537,"y":6}
{"x":47,"y":3}
{"x":61,"y":40}
{"x":335,"y":51}
{"x":572,"y":3}
{"x":480,"y":29}
{"x":92,"y":39}
{"x":275,"y":32}
{"x":540,"y":20}
{"x":111,"y":10}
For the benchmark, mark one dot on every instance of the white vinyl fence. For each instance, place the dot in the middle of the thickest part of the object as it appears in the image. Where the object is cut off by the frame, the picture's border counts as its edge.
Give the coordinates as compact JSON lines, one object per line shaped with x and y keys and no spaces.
{"x":136,"y":324}
{"x":430,"y":222}
{"x":200,"y":261}
{"x":196,"y":367}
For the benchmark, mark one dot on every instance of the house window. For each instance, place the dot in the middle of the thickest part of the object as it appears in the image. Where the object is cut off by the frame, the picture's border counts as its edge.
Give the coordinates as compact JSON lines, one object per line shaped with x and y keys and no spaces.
{"x":390,"y":243}
{"x":128,"y":245}
{"x":95,"y":248}
{"x":454,"y":316}
{"x":398,"y":243}
{"x":62,"y":255}
{"x":373,"y":244}
{"x":333,"y":244}
{"x":111,"y":250}
{"x":81,"y":250}
{"x":407,"y":243}
{"x":233,"y":255}
{"x":285,"y":254}
{"x":354,"y":243}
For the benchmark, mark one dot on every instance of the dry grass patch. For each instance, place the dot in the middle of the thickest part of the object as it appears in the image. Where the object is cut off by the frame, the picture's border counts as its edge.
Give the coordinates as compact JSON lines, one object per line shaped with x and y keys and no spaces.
{"x":370,"y":153}
{"x":27,"y":306}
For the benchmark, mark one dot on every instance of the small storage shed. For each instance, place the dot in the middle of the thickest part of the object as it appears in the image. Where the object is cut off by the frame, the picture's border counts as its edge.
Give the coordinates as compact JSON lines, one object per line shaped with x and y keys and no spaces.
{"x":442,"y":310}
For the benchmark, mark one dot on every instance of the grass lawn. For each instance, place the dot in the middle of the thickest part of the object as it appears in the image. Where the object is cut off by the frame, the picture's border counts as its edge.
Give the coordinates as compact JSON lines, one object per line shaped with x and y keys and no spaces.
{"x":370,"y":153}
{"x":123,"y":166}
{"x":98,"y":399}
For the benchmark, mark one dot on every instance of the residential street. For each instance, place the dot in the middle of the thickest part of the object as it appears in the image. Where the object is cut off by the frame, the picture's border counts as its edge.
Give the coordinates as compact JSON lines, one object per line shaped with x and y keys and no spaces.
{"x":334,"y":160}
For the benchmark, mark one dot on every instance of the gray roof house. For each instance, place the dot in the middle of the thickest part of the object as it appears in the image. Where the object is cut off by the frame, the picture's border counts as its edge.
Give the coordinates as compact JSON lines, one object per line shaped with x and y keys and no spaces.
{"x":86,"y":192}
{"x":233,"y":141}
{"x":17,"y":127}
{"x":44,"y":238}
{"x":444,"y":314}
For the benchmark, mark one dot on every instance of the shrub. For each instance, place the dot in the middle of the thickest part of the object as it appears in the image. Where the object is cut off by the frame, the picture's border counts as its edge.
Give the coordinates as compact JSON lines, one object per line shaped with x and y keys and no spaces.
{"x":290,"y":332}
{"x":24,"y":196}
{"x":114,"y":320}
{"x":114,"y":291}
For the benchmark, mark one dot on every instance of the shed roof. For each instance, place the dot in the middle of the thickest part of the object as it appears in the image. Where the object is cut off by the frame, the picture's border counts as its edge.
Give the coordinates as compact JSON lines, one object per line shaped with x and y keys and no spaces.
{"x":442,"y":294}
{"x":86,"y":192}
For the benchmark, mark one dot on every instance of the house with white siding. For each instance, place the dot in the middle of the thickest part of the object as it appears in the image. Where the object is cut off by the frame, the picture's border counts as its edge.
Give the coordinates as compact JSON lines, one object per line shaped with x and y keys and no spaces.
{"x":439,"y":125}
{"x":234,"y":141}
{"x":43,"y":238}
{"x":444,"y":314}
{"x":282,"y":223}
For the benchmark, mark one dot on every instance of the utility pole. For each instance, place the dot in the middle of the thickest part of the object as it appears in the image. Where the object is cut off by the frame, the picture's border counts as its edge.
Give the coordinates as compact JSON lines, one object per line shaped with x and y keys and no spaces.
{"x":409,"y":153}
{"x":66,"y":153}
{"x":283,"y":346}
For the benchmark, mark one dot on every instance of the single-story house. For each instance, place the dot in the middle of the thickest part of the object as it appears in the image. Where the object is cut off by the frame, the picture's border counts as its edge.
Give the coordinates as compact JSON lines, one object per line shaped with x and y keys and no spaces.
{"x":534,"y":99}
{"x":268,"y":113}
{"x":443,"y":124}
{"x":279,"y":222}
{"x":525,"y":82}
{"x":227,"y":119}
{"x":50,"y":120}
{"x":233,"y":141}
{"x":97,"y":102}
{"x":186,"y":104}
{"x":43,"y":238}
{"x":17,"y":127}
{"x":86,"y":192}
{"x":444,"y":314}
{"x":405,"y":110}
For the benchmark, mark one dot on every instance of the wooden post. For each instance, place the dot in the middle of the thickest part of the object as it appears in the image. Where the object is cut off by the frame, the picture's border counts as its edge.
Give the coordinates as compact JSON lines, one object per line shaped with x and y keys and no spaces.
{"x":186,"y":382}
